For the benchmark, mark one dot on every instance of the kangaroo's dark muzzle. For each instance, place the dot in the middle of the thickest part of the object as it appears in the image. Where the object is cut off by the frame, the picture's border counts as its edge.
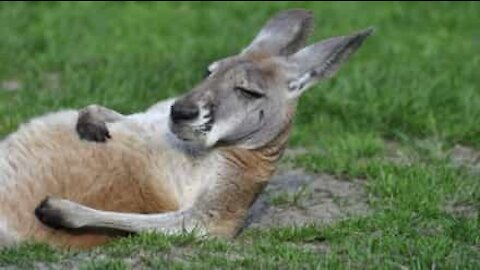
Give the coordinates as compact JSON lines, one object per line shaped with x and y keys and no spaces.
{"x":182,"y":111}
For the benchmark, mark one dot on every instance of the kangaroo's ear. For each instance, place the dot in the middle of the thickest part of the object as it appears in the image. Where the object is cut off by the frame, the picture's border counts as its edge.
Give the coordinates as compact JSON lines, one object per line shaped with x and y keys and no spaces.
{"x":283,"y":34}
{"x":321,"y":60}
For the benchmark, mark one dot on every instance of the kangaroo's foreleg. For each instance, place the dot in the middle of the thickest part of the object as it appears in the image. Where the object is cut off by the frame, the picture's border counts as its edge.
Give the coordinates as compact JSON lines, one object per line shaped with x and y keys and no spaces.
{"x":64,"y":214}
{"x":91,"y":123}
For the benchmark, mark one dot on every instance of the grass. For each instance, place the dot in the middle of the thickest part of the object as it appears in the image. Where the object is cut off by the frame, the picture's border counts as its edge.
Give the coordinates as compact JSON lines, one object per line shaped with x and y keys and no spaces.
{"x":415,"y":85}
{"x":291,"y":198}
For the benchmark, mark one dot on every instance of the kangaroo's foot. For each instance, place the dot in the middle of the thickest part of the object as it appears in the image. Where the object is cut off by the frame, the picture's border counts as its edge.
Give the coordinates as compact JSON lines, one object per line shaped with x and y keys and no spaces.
{"x":58,"y":214}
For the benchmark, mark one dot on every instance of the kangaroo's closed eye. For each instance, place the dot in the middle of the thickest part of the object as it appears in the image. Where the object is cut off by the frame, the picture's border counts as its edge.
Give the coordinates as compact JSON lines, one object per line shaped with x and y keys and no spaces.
{"x":247,"y":93}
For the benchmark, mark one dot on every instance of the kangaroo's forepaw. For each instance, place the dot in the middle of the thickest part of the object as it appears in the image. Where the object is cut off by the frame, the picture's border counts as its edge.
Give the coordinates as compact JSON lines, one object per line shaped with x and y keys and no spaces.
{"x":91,"y":129}
{"x":52,"y":215}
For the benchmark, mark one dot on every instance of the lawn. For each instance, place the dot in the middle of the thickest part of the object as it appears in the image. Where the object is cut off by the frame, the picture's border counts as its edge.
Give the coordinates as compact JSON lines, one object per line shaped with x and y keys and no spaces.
{"x":402,"y":117}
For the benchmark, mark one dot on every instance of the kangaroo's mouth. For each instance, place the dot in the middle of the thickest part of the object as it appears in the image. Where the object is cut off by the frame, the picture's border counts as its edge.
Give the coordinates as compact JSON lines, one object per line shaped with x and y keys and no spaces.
{"x":194,"y":130}
{"x":187,"y":132}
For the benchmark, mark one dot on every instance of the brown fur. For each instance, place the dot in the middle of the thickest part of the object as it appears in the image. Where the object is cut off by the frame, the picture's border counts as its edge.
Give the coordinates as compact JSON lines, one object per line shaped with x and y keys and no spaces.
{"x":116,"y":177}
{"x":251,"y":171}
{"x":113,"y":176}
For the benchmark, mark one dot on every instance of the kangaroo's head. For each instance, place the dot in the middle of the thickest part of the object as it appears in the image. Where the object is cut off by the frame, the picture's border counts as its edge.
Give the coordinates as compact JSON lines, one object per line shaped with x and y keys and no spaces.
{"x":249,"y":98}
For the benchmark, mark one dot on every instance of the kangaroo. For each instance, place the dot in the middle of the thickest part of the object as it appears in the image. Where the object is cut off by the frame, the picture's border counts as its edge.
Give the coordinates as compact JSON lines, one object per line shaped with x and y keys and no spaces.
{"x":192,"y":163}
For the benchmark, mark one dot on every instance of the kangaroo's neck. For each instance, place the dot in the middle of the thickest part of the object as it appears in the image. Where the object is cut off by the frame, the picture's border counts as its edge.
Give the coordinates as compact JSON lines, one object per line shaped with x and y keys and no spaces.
{"x":246,"y":174}
{"x":259,"y":163}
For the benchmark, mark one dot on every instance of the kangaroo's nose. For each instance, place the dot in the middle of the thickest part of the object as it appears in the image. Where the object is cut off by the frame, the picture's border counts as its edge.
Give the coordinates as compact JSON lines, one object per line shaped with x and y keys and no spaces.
{"x":183,"y":111}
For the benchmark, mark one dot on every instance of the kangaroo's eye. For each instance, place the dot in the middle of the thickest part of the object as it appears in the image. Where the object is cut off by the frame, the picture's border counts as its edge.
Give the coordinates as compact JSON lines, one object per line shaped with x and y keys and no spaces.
{"x":249,"y":94}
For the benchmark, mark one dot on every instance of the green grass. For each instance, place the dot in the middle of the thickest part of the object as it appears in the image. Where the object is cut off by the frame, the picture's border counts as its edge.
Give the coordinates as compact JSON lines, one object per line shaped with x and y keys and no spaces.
{"x":415,"y":84}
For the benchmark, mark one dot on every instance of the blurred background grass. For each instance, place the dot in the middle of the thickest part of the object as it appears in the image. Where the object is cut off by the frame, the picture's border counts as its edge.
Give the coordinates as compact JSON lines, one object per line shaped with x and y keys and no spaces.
{"x":417,"y":76}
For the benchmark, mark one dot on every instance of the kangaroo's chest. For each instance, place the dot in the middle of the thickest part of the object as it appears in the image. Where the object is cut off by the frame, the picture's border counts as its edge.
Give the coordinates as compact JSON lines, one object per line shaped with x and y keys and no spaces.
{"x":185,"y":179}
